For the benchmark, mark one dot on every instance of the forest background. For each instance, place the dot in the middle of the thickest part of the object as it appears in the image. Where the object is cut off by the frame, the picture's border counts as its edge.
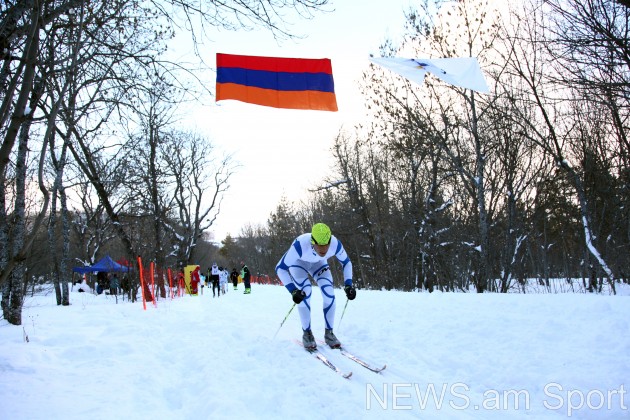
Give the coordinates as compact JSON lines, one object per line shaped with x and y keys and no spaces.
{"x":438,"y":187}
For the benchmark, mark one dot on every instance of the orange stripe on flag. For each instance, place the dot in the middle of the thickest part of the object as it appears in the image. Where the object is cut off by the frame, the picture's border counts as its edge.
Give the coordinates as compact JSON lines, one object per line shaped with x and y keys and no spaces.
{"x":309,"y":99}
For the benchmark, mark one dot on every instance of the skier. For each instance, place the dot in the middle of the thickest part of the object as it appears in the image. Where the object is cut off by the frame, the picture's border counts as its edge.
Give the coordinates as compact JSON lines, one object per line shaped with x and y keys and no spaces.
{"x":214,"y":277}
{"x":308,"y":255}
{"x":234,"y":277}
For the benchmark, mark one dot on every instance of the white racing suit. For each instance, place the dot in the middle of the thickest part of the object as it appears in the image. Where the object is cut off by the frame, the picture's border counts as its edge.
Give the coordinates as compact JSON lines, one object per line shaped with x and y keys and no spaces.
{"x":299,"y":262}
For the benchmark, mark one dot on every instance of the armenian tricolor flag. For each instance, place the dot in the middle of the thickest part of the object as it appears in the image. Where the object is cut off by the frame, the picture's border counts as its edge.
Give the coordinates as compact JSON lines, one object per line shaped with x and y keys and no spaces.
{"x":293,"y":83}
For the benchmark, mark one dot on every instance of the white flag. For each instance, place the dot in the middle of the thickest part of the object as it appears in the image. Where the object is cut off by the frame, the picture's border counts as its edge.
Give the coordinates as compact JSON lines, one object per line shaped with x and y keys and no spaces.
{"x":462,"y":72}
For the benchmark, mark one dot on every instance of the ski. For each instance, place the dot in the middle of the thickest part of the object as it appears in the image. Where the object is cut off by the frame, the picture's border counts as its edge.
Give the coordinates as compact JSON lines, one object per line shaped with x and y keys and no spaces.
{"x":362,"y":362}
{"x":319,"y":356}
{"x":358,"y":360}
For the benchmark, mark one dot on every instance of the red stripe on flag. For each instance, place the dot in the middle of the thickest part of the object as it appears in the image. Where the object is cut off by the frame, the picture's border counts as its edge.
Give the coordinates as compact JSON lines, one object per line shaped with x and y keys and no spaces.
{"x":278,"y":64}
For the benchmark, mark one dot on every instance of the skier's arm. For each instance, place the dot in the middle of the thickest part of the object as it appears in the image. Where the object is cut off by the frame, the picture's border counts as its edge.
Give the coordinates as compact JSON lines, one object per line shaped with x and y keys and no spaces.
{"x":290,"y":258}
{"x":343,"y":258}
{"x":282,"y":270}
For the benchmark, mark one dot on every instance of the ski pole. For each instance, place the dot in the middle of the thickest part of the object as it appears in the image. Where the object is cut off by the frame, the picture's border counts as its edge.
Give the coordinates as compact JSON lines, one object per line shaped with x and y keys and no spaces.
{"x":342,"y":313}
{"x":285,"y":318}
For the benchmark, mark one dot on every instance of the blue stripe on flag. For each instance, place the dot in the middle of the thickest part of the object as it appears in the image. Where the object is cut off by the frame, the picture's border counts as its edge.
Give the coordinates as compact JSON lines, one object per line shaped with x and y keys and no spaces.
{"x":284,"y":81}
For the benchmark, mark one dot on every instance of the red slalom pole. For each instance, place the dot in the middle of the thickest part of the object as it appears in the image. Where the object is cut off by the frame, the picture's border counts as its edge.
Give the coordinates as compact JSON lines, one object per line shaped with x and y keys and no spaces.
{"x":144,"y":301}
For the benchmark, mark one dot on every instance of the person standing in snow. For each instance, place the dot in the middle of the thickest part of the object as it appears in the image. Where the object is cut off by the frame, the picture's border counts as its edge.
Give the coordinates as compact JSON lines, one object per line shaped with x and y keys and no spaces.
{"x":114,"y":284}
{"x":216,"y":284}
{"x":308,"y":256}
{"x":181,"y":283}
{"x":214,"y":277}
{"x":223,"y":279}
{"x":194,"y":281}
{"x":234,"y":278}
{"x":246,"y":276}
{"x":208,"y":276}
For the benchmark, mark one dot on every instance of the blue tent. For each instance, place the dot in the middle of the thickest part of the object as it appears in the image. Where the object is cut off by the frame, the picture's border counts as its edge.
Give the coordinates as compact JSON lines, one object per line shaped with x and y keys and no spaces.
{"x":106,"y":264}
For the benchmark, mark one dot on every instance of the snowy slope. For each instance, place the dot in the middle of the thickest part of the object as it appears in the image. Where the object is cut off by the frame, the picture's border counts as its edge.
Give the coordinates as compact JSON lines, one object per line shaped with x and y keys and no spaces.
{"x":449,"y":355}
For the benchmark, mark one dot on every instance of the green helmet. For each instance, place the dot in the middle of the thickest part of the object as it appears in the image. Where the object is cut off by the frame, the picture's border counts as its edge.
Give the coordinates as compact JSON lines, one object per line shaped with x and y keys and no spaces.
{"x":320,"y":234}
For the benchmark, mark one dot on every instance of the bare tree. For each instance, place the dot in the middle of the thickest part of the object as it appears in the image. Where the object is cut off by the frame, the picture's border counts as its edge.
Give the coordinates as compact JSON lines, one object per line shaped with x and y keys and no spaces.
{"x":99,"y":53}
{"x":200,"y":181}
{"x":551,"y":128}
{"x":451,"y":120}
{"x":148,"y":182}
{"x":59,"y":264}
{"x":367,"y":182}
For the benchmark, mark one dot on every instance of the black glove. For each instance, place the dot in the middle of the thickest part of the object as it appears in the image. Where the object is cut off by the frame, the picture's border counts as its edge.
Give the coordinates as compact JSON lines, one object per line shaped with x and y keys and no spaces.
{"x":351,"y":292}
{"x":298,"y":295}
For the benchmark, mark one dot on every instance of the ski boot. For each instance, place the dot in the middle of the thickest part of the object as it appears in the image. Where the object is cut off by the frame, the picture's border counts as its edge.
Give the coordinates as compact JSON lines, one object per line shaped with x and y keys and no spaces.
{"x":308,"y":340}
{"x":331,"y":340}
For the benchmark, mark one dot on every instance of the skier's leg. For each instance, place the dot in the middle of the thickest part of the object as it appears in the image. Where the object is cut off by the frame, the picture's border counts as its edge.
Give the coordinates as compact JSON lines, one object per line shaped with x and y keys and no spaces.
{"x":325,"y":283}
{"x":303,"y":282}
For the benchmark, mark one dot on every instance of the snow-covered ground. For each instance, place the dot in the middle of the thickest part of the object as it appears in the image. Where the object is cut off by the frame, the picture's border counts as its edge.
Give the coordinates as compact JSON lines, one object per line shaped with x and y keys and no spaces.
{"x":448,"y":355}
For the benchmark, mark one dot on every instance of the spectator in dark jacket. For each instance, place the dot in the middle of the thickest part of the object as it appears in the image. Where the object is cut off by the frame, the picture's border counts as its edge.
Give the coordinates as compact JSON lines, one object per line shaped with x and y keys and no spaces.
{"x":246,"y":278}
{"x":234,"y":278}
